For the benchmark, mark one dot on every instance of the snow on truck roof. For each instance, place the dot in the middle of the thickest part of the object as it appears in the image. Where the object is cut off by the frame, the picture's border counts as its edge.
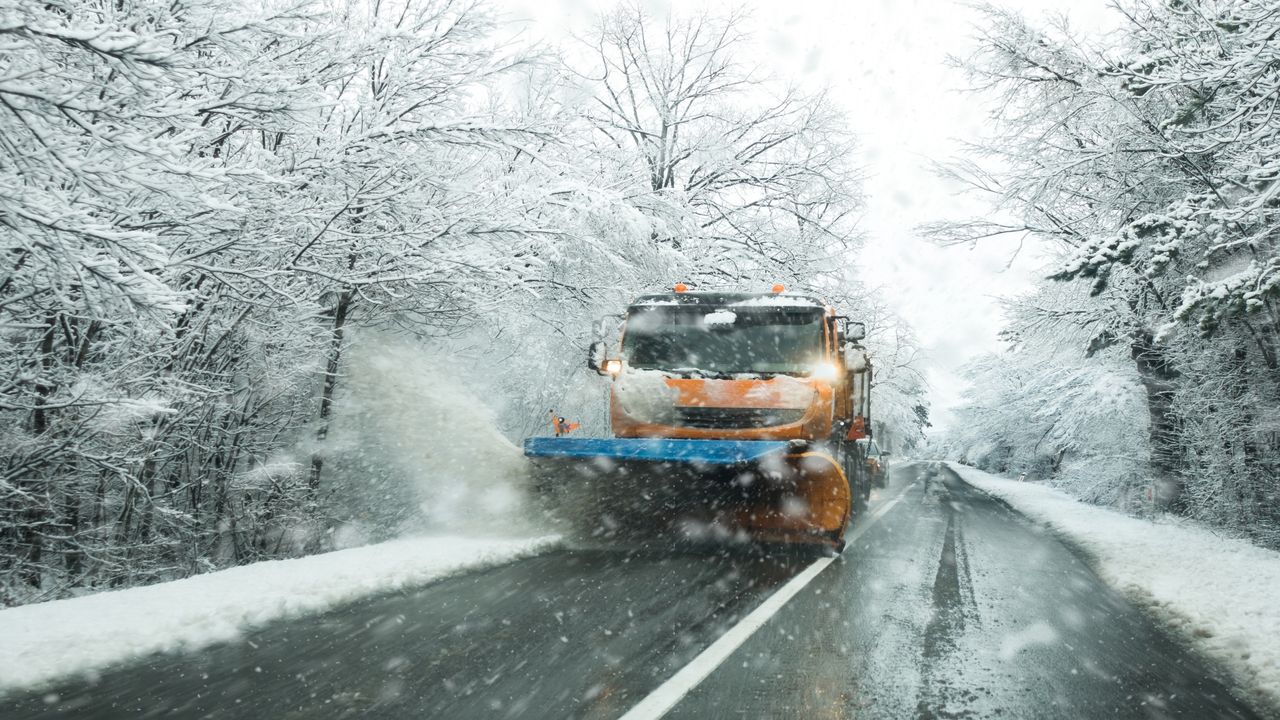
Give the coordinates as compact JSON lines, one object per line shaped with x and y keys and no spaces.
{"x":728,"y":300}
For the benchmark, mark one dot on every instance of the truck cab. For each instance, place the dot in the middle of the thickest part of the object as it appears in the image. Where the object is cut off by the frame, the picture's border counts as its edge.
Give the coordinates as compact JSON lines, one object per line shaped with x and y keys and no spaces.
{"x":736,"y":366}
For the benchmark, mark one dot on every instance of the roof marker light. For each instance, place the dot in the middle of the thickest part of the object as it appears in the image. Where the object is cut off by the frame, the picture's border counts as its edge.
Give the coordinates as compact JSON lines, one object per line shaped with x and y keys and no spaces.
{"x":777,"y":288}
{"x":681,"y":287}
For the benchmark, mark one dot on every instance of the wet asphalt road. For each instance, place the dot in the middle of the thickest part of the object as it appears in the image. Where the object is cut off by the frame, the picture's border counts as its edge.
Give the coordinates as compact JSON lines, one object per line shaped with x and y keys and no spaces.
{"x":948,"y":606}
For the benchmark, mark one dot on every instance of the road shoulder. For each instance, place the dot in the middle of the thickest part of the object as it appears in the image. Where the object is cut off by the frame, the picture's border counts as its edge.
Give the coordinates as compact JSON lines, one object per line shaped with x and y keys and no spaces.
{"x":48,"y":641}
{"x":1216,"y":593}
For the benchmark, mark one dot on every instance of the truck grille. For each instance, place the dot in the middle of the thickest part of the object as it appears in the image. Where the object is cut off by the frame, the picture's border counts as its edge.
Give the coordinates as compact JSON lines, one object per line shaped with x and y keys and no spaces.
{"x":708,"y":417}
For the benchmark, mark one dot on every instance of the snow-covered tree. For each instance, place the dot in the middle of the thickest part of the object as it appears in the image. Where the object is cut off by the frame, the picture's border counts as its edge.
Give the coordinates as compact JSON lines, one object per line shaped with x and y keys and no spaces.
{"x":1149,"y":164}
{"x":755,"y":177}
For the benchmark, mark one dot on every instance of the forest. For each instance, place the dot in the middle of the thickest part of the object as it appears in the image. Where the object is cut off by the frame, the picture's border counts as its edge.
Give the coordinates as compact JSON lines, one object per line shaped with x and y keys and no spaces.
{"x":207,"y":208}
{"x":227,"y":224}
{"x":1142,"y":371}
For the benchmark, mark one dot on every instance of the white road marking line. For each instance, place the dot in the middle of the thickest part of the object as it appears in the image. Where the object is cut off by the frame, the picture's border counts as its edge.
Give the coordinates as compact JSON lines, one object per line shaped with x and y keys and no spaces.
{"x":661,"y":700}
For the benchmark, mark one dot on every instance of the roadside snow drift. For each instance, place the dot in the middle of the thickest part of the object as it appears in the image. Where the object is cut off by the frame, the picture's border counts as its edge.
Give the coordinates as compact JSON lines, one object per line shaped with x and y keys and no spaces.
{"x":1219,"y":592}
{"x":42,"y":642}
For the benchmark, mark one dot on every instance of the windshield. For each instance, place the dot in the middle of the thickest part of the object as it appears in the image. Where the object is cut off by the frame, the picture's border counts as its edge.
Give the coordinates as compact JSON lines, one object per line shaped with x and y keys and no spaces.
{"x":711,"y":340}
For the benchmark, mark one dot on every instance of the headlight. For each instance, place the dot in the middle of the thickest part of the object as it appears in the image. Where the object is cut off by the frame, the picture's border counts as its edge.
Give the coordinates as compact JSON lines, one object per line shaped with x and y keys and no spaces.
{"x":825,"y":371}
{"x":613,"y":367}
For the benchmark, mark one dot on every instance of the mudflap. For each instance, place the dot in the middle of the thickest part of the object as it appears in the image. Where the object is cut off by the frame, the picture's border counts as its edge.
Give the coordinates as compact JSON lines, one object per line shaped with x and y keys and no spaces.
{"x":643,"y":491}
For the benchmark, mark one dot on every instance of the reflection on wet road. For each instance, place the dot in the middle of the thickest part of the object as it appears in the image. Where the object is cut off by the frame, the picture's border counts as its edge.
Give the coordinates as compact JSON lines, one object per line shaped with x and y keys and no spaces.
{"x":948,"y":606}
{"x":955,"y":607}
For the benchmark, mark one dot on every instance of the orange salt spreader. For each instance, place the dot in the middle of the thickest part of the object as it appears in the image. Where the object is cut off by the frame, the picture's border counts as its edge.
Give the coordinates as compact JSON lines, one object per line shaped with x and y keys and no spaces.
{"x":734,"y":415}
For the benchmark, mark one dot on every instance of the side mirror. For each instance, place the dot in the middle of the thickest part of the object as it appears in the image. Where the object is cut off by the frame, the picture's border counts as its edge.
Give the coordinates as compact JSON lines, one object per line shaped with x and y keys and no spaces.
{"x":856,"y":330}
{"x":596,"y":357}
{"x":885,"y":453}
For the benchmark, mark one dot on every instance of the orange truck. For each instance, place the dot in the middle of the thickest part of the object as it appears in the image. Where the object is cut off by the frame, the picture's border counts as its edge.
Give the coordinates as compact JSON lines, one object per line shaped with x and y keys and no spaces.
{"x":734,"y":416}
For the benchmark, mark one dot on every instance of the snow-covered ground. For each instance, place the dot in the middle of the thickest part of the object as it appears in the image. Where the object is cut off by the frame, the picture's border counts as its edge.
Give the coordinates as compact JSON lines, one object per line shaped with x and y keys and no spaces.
{"x":42,"y":642}
{"x":1219,"y":592}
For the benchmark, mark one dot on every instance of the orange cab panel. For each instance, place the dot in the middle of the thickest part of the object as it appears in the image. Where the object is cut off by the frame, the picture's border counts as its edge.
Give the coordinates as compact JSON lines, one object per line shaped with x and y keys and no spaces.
{"x":782,"y":407}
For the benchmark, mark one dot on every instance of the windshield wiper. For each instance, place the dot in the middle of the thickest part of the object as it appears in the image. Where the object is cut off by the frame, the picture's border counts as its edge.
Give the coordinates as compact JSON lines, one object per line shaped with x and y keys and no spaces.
{"x":690,"y":372}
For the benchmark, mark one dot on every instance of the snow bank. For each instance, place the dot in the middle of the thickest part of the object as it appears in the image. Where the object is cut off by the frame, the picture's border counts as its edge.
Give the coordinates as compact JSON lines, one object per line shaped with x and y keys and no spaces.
{"x":45,"y":641}
{"x":1219,"y":592}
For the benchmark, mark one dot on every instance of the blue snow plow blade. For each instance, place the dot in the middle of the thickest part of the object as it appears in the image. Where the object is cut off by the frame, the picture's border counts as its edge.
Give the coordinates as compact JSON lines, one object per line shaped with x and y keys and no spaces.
{"x":707,"y":452}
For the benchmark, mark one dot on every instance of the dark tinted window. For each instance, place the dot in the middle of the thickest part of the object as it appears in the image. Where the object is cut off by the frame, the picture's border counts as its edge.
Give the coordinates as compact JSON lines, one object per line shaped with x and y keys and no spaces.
{"x":755,"y":340}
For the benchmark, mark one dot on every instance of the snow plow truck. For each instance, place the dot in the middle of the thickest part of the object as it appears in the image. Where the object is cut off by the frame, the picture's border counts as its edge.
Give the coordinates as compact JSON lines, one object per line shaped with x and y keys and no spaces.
{"x":735,"y":416}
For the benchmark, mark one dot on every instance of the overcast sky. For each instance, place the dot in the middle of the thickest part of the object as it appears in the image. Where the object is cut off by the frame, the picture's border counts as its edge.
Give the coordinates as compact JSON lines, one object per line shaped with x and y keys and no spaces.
{"x":885,"y":63}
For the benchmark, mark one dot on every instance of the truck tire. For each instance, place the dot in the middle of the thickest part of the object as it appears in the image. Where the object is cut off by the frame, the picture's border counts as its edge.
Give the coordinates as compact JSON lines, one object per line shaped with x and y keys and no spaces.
{"x":855,"y":472}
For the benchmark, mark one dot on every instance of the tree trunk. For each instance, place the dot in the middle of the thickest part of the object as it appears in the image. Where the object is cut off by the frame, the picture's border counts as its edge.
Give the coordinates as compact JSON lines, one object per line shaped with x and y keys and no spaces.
{"x":330,"y":385}
{"x":37,"y":516}
{"x":39,"y":421}
{"x":1158,"y":376}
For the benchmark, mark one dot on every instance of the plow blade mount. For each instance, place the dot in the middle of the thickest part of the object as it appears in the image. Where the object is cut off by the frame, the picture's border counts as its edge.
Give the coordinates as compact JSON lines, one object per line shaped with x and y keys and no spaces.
{"x":638,"y":488}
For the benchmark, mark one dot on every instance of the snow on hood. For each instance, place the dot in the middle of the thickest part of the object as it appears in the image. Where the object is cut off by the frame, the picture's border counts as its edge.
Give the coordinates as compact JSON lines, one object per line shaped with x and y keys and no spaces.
{"x":653,"y":395}
{"x":645,"y":395}
{"x":780,"y":391}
